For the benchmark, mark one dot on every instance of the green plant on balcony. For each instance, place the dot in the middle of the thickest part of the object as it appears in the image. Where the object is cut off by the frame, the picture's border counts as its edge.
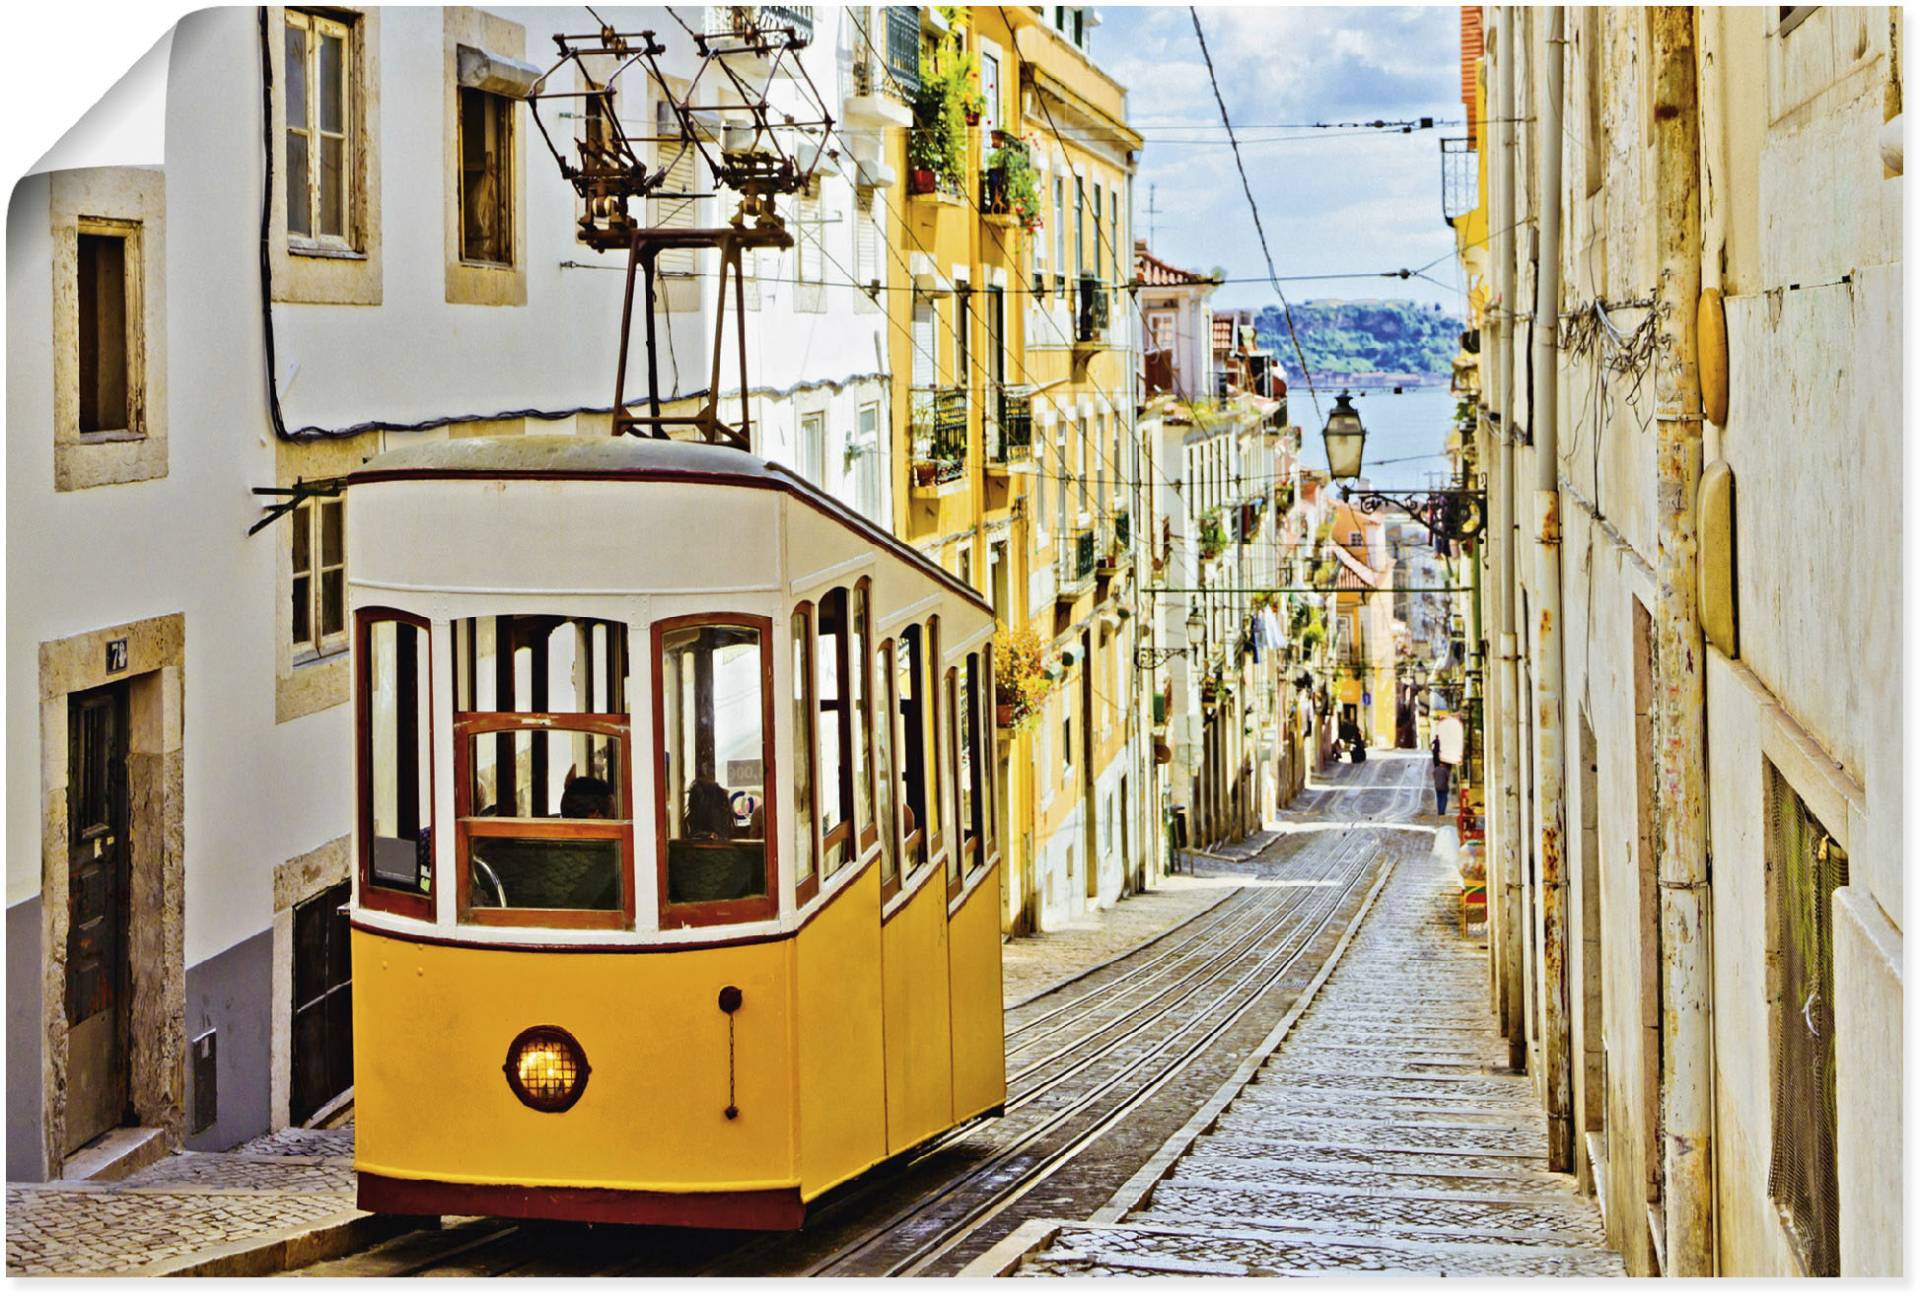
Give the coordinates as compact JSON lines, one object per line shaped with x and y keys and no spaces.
{"x":1021,"y":679}
{"x":1213,"y":535}
{"x":937,"y":144}
{"x":1308,"y":631}
{"x":1012,"y":186}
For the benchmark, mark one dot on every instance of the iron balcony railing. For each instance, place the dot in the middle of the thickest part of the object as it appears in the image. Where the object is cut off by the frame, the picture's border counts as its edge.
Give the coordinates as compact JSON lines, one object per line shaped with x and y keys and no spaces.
{"x":902,"y":47}
{"x":1077,"y":560}
{"x":740,"y":20}
{"x":1092,"y":312}
{"x":1459,"y":176}
{"x":1014,"y":442}
{"x":1123,"y":528}
{"x":939,"y":434}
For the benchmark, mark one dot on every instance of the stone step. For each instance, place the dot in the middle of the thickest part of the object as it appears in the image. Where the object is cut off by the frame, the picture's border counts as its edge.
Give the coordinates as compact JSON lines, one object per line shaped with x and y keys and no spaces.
{"x":115,"y":1155}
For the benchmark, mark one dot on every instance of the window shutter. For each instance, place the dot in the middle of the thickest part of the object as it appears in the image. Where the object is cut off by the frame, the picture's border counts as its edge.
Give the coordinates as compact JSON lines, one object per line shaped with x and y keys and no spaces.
{"x":683,"y":178}
{"x":866,"y":250}
{"x":923,"y":342}
{"x":808,"y":245}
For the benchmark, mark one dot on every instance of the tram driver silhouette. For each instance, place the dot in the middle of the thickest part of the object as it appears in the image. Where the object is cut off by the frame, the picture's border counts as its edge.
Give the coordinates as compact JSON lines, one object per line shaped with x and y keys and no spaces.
{"x":709,"y":809}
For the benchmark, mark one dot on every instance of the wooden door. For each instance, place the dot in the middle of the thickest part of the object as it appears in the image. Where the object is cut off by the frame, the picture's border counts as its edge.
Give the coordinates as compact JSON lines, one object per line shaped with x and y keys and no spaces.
{"x":322,"y":1004}
{"x":97,"y":895}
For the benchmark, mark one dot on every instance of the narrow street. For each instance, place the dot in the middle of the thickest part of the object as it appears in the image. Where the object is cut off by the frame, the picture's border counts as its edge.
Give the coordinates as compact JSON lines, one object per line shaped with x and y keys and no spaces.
{"x":1102,"y":1071}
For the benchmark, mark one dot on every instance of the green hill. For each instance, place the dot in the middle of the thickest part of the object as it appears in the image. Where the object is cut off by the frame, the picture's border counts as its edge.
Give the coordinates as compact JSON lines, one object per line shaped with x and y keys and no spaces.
{"x":1366,"y":334}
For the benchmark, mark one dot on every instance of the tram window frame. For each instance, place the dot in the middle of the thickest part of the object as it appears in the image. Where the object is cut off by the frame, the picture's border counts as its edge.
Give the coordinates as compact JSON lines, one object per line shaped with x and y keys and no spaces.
{"x":989,"y":759}
{"x":886,"y":771}
{"x":910,"y":709}
{"x":418,"y":904}
{"x":963,"y":849}
{"x":806,"y":850}
{"x":936,"y":787}
{"x":718,"y":912}
{"x":837,"y":840}
{"x":860,"y":662}
{"x":969,"y":790}
{"x":468,"y":729}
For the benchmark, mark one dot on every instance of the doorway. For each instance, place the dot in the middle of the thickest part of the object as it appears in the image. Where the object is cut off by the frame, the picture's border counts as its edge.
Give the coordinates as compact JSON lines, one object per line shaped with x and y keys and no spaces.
{"x":322,"y":1039}
{"x":98,"y":868}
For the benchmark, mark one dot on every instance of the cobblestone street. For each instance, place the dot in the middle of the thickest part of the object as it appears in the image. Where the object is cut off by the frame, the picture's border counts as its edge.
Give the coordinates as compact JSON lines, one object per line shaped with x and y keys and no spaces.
{"x":1383,"y":1135}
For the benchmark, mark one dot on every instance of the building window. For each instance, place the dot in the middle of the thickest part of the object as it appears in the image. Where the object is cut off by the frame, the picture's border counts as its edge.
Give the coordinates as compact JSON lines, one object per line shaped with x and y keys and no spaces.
{"x":486,"y":177}
{"x":1805,"y":866}
{"x":813,"y":447}
{"x":107,"y":271}
{"x":319,"y":577}
{"x":990,"y":91}
{"x":867,"y":448}
{"x":866,"y":238}
{"x":713,"y":733}
{"x":320,"y":164}
{"x":676,"y":204}
{"x":1059,"y":237}
{"x":807,"y":249}
{"x":395,"y":821}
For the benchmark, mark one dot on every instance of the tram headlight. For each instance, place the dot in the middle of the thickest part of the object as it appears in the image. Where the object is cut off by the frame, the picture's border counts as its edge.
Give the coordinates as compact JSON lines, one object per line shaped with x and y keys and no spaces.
{"x":546,"y":1068}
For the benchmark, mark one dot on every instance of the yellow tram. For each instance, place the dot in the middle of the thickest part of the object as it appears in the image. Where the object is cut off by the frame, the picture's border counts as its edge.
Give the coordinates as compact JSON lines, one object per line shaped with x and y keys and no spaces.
{"x":678,"y":894}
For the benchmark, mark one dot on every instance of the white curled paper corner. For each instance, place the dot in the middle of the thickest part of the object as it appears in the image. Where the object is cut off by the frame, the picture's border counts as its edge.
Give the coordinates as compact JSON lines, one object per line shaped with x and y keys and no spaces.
{"x":127,"y":126}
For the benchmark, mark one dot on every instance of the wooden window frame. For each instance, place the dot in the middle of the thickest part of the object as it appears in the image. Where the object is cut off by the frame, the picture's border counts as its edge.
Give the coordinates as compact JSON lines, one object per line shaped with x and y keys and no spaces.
{"x":936,"y":788}
{"x":724,"y":911}
{"x":807,"y":887}
{"x":316,"y":23}
{"x":861,"y":595}
{"x":892,"y":854}
{"x":466,"y":825}
{"x":913,"y":747}
{"x":841,"y":833}
{"x":320,"y":644}
{"x":384,"y":898}
{"x":504,"y":161}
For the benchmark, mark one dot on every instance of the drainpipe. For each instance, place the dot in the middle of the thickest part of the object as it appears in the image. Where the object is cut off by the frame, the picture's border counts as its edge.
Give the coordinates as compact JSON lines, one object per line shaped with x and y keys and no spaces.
{"x":1511,"y":831}
{"x":1493,"y":762}
{"x":1549,"y":769}
{"x":1679,"y":722}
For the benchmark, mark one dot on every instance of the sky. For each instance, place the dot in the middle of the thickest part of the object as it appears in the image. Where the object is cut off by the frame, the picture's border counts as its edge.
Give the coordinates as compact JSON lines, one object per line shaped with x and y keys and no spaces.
{"x":1332,"y":203}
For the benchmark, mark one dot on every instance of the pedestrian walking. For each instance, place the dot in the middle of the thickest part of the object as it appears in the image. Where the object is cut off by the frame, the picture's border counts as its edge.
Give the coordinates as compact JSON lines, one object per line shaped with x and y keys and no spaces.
{"x":1449,"y":748}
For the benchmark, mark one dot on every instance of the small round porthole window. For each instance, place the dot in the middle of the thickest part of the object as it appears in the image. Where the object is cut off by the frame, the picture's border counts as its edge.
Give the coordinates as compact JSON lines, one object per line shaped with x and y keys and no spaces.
{"x":546,"y":1068}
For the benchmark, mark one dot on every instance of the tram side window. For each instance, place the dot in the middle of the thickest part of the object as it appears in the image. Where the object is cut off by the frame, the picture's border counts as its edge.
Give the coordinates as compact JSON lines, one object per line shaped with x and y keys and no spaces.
{"x":860,"y":659}
{"x":835,"y":741}
{"x":963,"y":850}
{"x":396,"y":787}
{"x":806,"y":881}
{"x":913,"y":747}
{"x":543,"y":781}
{"x":989,"y":766}
{"x":969,"y":783}
{"x":714,"y":767}
{"x":886,"y":776}
{"x":936,"y":798}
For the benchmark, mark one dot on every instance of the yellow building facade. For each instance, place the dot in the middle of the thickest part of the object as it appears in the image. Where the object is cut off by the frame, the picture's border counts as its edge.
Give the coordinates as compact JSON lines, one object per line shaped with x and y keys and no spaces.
{"x":1013,"y":395}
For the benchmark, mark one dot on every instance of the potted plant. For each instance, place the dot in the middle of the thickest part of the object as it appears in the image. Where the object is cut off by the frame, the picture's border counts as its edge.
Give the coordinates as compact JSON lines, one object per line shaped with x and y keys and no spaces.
{"x":1011,"y":185}
{"x":1021,"y":677}
{"x":1213,"y":535}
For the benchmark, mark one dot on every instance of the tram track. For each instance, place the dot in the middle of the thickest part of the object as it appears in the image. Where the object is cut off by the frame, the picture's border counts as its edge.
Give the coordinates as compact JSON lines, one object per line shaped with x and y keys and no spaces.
{"x":1287,"y":921}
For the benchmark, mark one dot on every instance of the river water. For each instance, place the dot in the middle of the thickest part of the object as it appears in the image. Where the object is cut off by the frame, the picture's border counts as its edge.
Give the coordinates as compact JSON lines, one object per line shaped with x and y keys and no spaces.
{"x":1406,"y":432}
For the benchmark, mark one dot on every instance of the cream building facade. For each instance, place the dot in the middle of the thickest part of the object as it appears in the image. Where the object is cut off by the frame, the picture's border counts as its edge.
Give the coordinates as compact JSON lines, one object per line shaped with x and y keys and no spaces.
{"x":1695,"y":763}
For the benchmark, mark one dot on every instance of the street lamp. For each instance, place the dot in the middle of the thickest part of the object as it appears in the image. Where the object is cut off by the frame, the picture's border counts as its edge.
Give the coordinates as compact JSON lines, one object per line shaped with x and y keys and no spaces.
{"x":1152,"y":657}
{"x":1454,"y":514}
{"x":1346,"y":439}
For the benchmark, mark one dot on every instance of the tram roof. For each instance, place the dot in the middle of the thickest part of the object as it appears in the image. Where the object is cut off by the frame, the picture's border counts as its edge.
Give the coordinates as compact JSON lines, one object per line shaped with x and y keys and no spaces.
{"x":635,"y":460}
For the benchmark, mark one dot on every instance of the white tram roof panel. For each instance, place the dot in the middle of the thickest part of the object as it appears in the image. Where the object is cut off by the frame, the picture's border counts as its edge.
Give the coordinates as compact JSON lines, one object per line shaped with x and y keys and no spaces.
{"x":677,"y":466}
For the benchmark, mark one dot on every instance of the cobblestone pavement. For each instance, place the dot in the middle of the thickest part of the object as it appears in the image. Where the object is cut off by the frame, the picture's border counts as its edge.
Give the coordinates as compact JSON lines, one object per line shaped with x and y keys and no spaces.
{"x":1384,"y":1135}
{"x":183,"y":1208}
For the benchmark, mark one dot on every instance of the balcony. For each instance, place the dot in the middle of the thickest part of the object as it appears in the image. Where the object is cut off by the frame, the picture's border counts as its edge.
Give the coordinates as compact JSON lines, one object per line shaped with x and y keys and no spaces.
{"x":1092,"y":313}
{"x":886,"y":67}
{"x":780,"y":27}
{"x":1076,"y":562}
{"x":939,"y":441}
{"x":1459,"y":177}
{"x":1011,"y":445}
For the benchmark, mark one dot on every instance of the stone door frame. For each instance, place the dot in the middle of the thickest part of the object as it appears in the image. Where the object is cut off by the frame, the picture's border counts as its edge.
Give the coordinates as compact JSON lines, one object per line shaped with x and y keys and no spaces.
{"x":154,"y":667}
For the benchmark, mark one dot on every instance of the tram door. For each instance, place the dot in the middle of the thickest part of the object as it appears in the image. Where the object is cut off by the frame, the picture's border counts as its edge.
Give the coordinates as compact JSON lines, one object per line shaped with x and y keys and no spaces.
{"x":322,"y":1003}
{"x":97,"y":897}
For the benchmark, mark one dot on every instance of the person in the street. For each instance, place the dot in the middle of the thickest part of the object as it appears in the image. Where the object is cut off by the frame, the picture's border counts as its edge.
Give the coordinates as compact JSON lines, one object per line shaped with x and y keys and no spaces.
{"x":1449,"y":745}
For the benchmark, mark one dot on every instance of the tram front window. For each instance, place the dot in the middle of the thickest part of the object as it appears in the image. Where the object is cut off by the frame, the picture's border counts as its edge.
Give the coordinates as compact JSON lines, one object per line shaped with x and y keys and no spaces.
{"x":714,"y":771}
{"x":541,"y":771}
{"x":396,"y":783}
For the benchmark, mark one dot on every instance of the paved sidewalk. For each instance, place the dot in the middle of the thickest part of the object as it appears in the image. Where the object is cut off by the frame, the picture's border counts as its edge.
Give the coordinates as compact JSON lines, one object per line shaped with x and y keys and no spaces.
{"x":1383,"y":1135}
{"x":1034,"y":964}
{"x":281,"y":1197}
